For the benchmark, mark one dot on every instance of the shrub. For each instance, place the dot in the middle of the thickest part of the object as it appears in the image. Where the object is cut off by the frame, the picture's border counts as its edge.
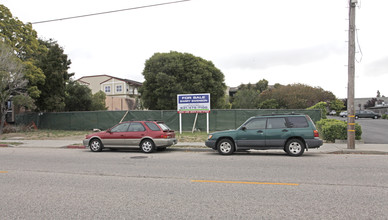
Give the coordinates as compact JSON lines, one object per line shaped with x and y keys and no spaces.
{"x":332,"y":129}
{"x":385,"y":116}
{"x":322,"y":106}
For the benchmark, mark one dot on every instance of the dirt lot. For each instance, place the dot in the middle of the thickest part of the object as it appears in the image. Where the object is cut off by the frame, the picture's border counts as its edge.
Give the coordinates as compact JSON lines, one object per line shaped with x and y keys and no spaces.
{"x":45,"y":135}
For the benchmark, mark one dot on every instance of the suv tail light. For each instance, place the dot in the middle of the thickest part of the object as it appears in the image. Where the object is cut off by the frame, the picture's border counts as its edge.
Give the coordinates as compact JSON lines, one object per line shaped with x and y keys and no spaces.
{"x":316,"y":134}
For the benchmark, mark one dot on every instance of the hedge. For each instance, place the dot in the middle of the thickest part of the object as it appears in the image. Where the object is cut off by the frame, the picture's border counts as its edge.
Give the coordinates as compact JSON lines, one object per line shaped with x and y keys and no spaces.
{"x":332,"y":129}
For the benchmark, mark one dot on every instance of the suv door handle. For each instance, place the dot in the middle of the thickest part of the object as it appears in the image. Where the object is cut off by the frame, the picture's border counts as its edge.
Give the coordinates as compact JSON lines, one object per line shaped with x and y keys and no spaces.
{"x":259,"y":131}
{"x":284,"y":130}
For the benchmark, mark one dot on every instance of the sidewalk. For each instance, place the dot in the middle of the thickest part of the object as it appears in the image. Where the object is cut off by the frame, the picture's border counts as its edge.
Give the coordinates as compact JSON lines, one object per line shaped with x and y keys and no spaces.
{"x":327,"y":148}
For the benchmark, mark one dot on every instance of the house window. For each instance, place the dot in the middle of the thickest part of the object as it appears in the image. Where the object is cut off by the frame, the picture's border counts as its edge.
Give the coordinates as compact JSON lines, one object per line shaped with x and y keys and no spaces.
{"x":107,"y":89}
{"x":119,"y":88}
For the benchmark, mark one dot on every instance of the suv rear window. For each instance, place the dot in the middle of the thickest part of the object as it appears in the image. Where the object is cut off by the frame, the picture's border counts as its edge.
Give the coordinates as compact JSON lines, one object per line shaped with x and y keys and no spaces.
{"x":298,"y":122}
{"x":277,"y":123}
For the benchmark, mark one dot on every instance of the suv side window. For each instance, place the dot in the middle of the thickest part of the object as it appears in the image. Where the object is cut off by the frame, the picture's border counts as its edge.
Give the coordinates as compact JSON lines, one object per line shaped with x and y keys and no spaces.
{"x":136,"y":126}
{"x":256,"y":123}
{"x":277,"y":123}
{"x":298,"y":122}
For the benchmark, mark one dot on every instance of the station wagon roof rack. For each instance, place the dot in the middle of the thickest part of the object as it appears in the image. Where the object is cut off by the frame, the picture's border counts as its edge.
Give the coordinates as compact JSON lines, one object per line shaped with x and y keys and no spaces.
{"x":144,"y":120}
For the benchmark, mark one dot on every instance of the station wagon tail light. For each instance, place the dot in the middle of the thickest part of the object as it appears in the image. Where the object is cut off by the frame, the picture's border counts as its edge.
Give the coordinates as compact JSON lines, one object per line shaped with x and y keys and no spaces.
{"x":316,"y":134}
{"x":165,"y":136}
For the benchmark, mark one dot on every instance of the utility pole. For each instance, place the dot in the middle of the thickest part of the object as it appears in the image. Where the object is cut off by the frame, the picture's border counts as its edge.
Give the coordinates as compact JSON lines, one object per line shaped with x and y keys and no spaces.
{"x":351,"y":73}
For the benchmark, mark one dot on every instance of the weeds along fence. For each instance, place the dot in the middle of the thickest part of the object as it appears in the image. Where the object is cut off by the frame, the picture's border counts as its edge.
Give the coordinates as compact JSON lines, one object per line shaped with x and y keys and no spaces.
{"x":218,"y":119}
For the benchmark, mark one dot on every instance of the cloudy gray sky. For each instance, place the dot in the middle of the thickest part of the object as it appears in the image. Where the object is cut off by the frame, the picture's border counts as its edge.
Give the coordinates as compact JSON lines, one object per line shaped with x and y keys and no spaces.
{"x":283,"y":41}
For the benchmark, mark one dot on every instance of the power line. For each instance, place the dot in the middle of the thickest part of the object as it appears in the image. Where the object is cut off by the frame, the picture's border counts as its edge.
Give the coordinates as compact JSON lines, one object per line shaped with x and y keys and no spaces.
{"x":359,"y":47}
{"x":109,"y":12}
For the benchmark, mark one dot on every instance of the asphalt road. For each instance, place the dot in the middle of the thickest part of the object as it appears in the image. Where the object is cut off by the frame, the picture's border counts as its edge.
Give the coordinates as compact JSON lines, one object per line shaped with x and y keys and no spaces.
{"x":78,"y":184}
{"x":374,"y":131}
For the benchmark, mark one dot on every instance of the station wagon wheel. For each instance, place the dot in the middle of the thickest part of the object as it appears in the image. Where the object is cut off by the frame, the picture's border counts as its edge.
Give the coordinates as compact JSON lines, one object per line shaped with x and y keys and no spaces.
{"x":147,"y":146}
{"x":375,"y":117}
{"x":225,"y":147}
{"x":295,"y":147}
{"x":95,"y":145}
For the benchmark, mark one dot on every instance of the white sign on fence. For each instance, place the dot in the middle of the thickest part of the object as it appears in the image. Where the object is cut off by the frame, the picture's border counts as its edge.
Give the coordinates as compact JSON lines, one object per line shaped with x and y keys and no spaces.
{"x":193,"y":103}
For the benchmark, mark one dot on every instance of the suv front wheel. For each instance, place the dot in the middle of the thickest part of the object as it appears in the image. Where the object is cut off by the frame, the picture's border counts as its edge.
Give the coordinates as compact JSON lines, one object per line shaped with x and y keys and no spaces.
{"x":225,"y":147}
{"x":295,"y":147}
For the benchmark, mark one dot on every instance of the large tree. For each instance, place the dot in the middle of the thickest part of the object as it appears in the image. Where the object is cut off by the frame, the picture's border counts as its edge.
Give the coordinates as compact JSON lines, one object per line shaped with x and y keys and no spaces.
{"x":24,"y":41}
{"x":12,"y":81}
{"x":169,"y":74}
{"x":98,"y":101}
{"x":79,"y":98}
{"x":247,"y":95}
{"x":54,"y":64}
{"x":296,"y":96}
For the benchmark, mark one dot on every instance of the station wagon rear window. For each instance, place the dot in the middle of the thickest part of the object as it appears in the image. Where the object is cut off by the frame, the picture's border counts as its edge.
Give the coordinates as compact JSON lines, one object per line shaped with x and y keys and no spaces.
{"x":152,"y":126}
{"x":164,"y":127}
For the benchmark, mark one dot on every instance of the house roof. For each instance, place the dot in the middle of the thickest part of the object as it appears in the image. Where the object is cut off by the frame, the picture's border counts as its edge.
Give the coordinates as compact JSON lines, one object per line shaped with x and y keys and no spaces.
{"x":131,"y":82}
{"x":79,"y":80}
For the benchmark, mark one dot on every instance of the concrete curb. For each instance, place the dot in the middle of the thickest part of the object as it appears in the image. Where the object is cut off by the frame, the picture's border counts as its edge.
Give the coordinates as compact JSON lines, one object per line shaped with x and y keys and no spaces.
{"x":327,"y":148}
{"x":201,"y":149}
{"x":358,"y":152}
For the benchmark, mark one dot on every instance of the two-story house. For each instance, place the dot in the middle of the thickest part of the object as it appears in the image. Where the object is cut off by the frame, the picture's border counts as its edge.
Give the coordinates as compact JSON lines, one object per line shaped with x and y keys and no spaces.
{"x":121,"y":94}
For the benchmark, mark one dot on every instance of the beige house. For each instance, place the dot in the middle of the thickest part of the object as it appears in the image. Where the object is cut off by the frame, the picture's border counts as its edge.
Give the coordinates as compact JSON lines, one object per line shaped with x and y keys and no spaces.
{"x":121,"y":94}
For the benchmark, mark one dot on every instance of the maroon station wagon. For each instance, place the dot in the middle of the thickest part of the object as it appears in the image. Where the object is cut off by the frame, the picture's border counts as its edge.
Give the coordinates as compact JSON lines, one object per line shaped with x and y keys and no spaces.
{"x":147,"y":135}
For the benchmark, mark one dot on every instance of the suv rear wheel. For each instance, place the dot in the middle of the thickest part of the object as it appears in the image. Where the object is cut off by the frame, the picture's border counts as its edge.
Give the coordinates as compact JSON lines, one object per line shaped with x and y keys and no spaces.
{"x":295,"y":147}
{"x":225,"y":147}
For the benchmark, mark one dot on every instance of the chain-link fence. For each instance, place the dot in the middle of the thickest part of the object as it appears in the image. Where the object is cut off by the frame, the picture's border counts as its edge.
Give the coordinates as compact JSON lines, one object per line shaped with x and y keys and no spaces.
{"x":218,"y":119}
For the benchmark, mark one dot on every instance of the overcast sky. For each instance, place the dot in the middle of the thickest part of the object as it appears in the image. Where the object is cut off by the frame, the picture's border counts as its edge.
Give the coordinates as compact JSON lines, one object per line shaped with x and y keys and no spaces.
{"x":282,"y":41}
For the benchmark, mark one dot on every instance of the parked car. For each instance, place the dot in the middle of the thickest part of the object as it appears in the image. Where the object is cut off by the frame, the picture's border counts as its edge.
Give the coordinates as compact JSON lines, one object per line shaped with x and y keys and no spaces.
{"x":146,"y":135}
{"x":332,"y":112}
{"x":291,"y":132}
{"x":343,"y":114}
{"x":366,"y":114}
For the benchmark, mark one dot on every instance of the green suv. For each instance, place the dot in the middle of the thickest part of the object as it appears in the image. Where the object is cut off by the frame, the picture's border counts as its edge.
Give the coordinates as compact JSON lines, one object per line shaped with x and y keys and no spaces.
{"x":291,"y":132}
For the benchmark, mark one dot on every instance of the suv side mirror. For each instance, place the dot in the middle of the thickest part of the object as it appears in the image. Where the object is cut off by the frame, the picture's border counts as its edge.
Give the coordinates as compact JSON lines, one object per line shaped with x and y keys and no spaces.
{"x":243,"y":128}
